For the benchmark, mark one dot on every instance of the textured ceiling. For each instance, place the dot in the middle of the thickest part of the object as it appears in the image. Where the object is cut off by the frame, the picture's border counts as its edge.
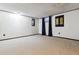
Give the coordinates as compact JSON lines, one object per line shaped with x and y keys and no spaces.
{"x":38,"y":9}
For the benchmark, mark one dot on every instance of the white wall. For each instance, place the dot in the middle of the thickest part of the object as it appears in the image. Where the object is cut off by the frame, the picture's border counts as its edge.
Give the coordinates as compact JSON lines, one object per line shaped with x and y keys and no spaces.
{"x":40,"y":26}
{"x":14,"y":25}
{"x":71,"y":25}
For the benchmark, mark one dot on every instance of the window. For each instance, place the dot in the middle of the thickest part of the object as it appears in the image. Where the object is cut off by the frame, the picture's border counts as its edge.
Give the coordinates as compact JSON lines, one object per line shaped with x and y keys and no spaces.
{"x":59,"y":21}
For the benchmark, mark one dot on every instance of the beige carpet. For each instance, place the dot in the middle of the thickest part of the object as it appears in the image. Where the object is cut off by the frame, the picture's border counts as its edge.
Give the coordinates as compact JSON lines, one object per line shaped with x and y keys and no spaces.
{"x":39,"y":45}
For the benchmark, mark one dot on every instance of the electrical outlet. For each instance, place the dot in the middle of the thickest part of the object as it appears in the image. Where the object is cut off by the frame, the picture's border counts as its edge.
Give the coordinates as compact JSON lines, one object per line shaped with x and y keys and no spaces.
{"x":59,"y":33}
{"x":3,"y":34}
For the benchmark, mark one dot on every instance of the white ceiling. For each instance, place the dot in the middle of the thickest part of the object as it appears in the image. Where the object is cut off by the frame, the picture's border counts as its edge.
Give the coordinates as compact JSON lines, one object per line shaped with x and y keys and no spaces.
{"x":38,"y":9}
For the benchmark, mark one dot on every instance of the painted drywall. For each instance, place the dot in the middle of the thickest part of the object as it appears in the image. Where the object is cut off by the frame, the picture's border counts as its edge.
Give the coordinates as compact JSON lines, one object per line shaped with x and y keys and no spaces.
{"x":14,"y":25}
{"x":71,"y":25}
{"x":40,"y":26}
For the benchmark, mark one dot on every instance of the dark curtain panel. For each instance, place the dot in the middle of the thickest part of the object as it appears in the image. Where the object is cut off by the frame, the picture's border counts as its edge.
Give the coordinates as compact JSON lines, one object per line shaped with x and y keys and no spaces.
{"x":43,"y":27}
{"x":50,"y":26}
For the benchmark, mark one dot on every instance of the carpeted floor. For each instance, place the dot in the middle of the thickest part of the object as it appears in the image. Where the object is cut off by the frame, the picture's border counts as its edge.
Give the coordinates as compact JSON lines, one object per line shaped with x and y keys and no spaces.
{"x":39,"y":45}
